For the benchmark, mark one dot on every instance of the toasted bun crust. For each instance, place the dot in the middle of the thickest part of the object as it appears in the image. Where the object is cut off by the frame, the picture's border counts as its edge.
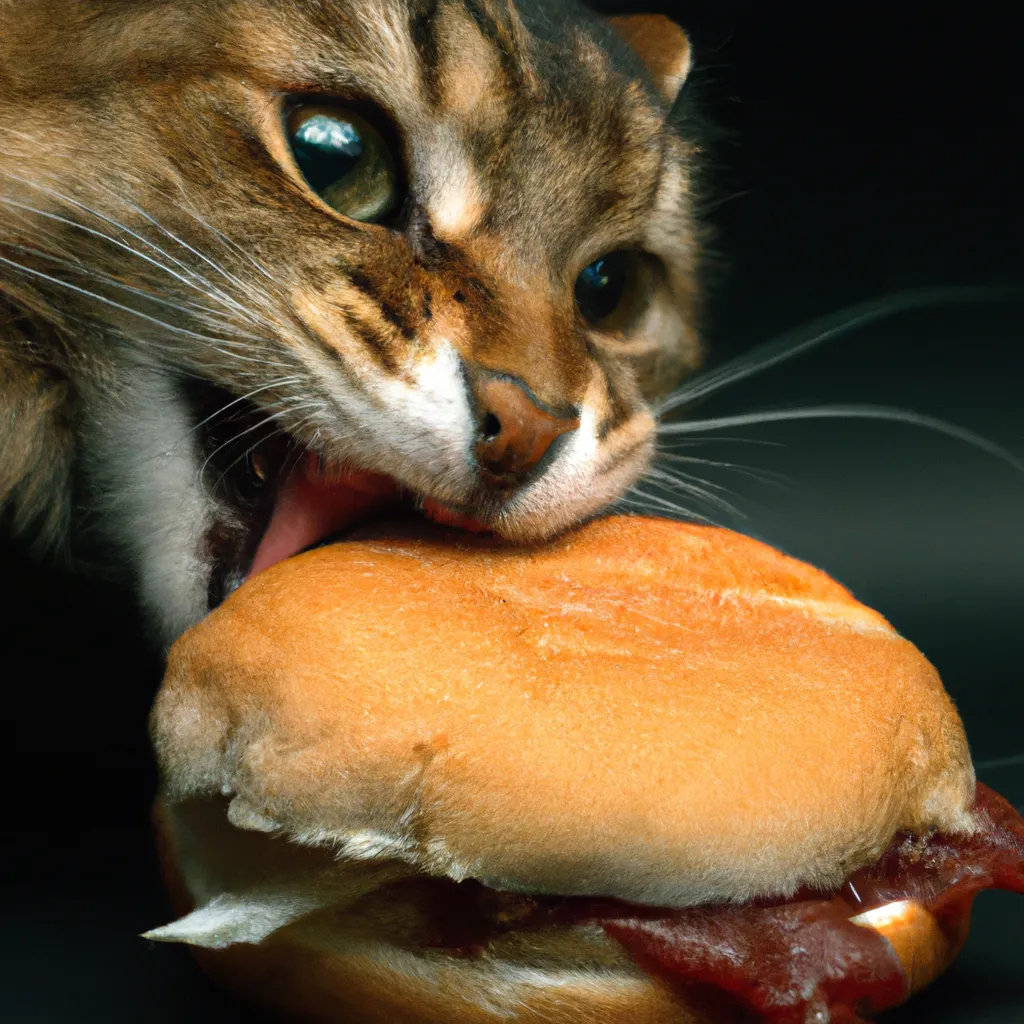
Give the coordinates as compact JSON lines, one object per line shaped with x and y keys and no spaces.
{"x":665,"y":713}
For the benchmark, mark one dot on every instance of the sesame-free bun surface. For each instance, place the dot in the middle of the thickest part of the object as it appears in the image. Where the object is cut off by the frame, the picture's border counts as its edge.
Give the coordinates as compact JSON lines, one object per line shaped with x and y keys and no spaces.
{"x":665,"y":713}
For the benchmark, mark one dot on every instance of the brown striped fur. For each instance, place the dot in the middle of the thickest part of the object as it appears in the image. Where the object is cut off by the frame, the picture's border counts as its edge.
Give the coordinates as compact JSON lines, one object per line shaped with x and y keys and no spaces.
{"x":154,"y":231}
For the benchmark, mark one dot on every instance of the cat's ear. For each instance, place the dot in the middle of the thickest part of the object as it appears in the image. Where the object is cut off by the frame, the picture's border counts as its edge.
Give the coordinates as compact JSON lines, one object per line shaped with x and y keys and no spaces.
{"x":662,"y":45}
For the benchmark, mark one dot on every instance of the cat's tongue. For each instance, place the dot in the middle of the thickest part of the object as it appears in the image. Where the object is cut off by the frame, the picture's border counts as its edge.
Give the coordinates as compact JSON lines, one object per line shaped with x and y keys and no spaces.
{"x":313,"y":504}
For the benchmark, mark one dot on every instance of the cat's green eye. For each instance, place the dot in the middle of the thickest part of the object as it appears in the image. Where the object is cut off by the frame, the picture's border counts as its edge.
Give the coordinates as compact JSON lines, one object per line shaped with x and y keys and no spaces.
{"x":345,"y":160}
{"x":606,"y":288}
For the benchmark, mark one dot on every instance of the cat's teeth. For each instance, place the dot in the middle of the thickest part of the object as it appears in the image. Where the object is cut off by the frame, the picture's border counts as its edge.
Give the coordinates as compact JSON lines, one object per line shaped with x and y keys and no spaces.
{"x":259,"y":467}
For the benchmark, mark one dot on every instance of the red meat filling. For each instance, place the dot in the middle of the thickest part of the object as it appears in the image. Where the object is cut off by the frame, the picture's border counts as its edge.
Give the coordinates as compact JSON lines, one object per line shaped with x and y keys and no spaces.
{"x":795,"y":961}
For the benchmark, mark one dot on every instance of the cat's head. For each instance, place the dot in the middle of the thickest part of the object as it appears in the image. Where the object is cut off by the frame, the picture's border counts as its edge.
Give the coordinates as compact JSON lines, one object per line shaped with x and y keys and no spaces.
{"x":445,"y":241}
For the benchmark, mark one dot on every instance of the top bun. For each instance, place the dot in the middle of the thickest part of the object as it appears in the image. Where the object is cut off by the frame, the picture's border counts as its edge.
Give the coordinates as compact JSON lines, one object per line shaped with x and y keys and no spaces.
{"x":665,"y":713}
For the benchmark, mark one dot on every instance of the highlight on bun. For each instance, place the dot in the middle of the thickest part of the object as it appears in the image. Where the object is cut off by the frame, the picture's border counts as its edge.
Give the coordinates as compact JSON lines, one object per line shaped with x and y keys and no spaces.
{"x":423,"y":777}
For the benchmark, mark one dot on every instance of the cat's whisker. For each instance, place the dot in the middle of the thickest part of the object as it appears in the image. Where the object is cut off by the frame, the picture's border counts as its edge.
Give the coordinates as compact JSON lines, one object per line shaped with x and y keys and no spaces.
{"x":188,"y":275}
{"x":272,"y":417}
{"x":684,"y":442}
{"x":866,"y":412}
{"x":95,"y":233}
{"x":233,"y":349}
{"x":198,"y":280}
{"x":793,"y":343}
{"x":688,"y":482}
{"x":648,"y":506}
{"x":648,"y":502}
{"x":695,"y":489}
{"x":280,"y":382}
{"x":999,"y":762}
{"x":183,"y":438}
{"x":245,"y":455}
{"x":190,"y":309}
{"x":227,"y":241}
{"x":252,"y":368}
{"x":242,"y":286}
{"x":212,"y":263}
{"x":120,"y":199}
{"x":708,"y":207}
{"x":764,"y":476}
{"x":174,"y":329}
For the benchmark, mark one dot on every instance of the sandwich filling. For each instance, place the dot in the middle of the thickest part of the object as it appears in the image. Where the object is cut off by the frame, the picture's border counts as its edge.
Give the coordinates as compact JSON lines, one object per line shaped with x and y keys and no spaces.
{"x":811,"y":957}
{"x":826,"y":957}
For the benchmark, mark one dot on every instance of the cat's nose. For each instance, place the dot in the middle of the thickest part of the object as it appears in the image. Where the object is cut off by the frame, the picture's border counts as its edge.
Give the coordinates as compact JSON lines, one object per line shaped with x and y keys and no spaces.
{"x":514,"y":431}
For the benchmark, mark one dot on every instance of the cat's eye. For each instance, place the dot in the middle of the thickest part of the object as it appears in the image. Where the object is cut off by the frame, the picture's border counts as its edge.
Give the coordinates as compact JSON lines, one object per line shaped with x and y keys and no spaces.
{"x":345,"y":160}
{"x":606,"y":288}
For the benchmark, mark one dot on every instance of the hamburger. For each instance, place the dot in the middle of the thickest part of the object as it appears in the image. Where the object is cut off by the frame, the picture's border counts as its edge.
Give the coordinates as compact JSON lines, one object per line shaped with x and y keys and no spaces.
{"x":647,"y":773}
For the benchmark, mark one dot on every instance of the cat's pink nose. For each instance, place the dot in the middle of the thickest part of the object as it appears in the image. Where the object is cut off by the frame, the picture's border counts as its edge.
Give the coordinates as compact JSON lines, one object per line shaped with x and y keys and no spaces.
{"x":514,"y":431}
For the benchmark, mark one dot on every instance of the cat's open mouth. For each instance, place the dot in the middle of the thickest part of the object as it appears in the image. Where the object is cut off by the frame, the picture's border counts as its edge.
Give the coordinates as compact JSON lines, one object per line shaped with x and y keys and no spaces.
{"x":275,"y":498}
{"x":315,"y":501}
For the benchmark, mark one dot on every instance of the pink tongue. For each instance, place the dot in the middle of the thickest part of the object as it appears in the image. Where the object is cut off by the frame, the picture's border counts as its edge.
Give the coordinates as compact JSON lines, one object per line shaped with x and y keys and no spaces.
{"x":311,"y":506}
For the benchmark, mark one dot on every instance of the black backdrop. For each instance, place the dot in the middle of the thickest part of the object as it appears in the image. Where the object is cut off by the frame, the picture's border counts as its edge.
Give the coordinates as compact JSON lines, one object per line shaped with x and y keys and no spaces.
{"x":860,"y":150}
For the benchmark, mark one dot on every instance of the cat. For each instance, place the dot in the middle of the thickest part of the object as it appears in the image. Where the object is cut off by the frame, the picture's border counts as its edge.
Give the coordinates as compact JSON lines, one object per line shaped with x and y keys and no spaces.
{"x":253,"y":252}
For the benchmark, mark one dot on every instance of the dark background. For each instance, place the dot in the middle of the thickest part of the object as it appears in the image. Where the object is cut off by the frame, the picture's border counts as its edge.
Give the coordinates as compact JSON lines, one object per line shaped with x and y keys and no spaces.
{"x":858,"y":152}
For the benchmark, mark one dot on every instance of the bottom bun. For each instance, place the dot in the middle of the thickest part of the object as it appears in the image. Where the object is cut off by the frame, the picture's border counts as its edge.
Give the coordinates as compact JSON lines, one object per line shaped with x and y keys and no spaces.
{"x":331,"y":966}
{"x":312,"y":970}
{"x":383,"y":986}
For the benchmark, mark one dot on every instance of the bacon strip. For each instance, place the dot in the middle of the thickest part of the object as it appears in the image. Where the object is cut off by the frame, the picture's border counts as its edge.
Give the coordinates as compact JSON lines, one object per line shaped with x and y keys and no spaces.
{"x":795,"y":961}
{"x":786,"y":963}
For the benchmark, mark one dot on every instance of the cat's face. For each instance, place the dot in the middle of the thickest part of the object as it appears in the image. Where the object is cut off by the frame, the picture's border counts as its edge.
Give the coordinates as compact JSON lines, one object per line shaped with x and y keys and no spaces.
{"x":448,"y":243}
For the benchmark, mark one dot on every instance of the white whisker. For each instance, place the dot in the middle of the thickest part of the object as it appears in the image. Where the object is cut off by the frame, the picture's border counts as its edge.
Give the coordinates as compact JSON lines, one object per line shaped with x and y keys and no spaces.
{"x":691,"y":489}
{"x":867,"y":412}
{"x":230,"y":243}
{"x":271,"y":418}
{"x":113,"y":241}
{"x":761,"y":475}
{"x":213,"y":342}
{"x":297,"y":425}
{"x":61,"y":197}
{"x":648,"y":501}
{"x":278,"y":383}
{"x":688,"y":482}
{"x":212,"y":263}
{"x":794,"y":343}
{"x":248,"y":451}
{"x":189,"y":309}
{"x":1000,"y":762}
{"x":683,"y":442}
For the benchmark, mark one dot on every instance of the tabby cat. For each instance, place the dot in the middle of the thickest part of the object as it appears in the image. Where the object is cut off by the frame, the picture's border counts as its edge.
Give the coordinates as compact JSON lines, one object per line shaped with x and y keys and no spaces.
{"x":266,"y":261}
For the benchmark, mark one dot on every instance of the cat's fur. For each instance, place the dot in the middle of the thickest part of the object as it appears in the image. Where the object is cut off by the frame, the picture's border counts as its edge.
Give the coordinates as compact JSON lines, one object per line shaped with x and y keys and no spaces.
{"x":151,"y":236}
